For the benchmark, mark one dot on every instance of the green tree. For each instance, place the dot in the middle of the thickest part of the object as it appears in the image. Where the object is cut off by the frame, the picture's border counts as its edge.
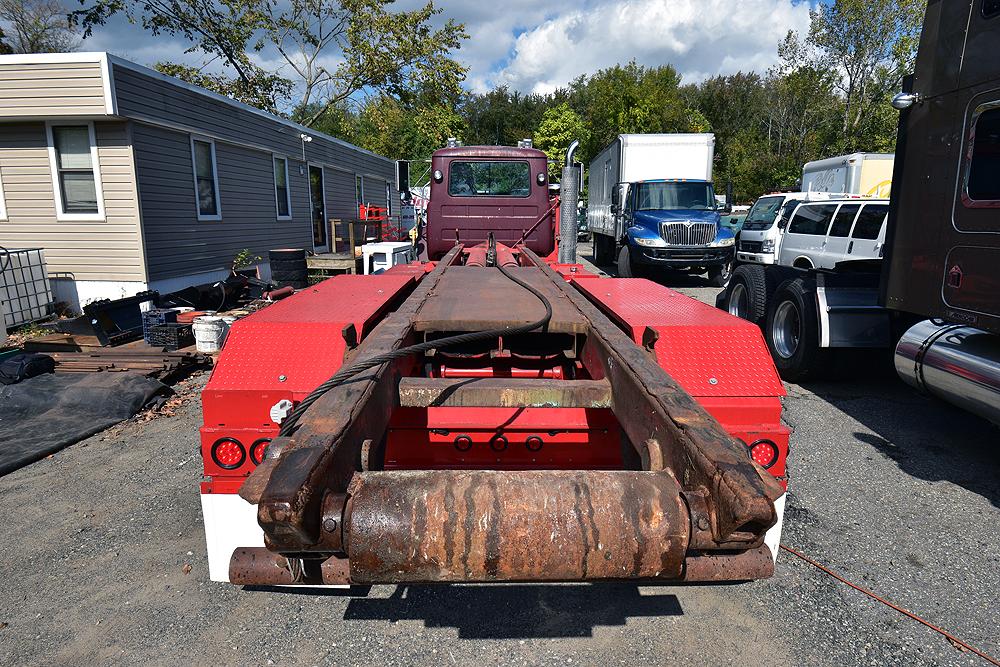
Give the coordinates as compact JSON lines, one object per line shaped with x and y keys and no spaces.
{"x":560,"y":126}
{"x":867,"y":46}
{"x":376,"y":50}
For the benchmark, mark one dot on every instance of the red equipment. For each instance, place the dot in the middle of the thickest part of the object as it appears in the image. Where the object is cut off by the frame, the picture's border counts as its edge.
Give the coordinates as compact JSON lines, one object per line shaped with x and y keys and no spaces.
{"x":636,"y":434}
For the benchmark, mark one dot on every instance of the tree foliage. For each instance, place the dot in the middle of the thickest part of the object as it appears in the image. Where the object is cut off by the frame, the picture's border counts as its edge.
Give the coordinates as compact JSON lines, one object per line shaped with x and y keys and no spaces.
{"x":559,"y":127}
{"x":36,"y":26}
{"x":329,"y":50}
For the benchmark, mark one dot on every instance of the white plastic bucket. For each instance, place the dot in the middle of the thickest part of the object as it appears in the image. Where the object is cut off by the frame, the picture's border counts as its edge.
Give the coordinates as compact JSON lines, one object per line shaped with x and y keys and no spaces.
{"x":209,"y":333}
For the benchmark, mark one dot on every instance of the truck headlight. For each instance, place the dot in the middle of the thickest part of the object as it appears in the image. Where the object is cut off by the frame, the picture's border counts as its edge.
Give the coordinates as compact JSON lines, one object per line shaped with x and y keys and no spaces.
{"x":725,"y":243}
{"x":767,"y":245}
{"x":649,"y":242}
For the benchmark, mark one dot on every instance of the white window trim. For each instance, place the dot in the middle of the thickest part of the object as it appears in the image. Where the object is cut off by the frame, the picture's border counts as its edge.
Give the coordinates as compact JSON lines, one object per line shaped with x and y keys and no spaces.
{"x":3,"y":202}
{"x":215,"y":178}
{"x":54,"y":168}
{"x":288,"y":189}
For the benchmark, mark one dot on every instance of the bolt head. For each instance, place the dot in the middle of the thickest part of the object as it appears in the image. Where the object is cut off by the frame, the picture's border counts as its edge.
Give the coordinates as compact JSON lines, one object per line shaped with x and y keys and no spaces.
{"x":282,"y":378}
{"x":713,"y":381}
{"x":329,"y":525}
{"x":702,"y":523}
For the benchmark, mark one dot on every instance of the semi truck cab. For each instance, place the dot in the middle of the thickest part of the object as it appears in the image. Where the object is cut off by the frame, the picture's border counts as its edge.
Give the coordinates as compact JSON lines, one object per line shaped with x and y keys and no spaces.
{"x":675,"y":224}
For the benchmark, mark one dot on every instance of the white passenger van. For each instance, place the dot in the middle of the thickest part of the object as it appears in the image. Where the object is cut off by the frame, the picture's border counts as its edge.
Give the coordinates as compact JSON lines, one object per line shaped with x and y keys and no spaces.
{"x":820,"y":234}
{"x":760,"y":236}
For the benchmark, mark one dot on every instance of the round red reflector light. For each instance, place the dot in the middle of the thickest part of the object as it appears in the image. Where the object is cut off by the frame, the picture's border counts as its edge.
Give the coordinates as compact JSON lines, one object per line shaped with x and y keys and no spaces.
{"x":228,"y":453}
{"x":764,"y":453}
{"x":258,"y":450}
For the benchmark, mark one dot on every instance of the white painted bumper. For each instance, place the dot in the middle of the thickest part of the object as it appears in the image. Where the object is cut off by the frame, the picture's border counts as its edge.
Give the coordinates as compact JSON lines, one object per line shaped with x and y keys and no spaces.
{"x":772,"y":538}
{"x":230,"y":522}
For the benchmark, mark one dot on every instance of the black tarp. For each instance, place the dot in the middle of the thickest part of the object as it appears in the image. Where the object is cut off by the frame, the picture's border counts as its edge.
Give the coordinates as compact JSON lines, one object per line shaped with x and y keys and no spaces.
{"x":49,"y":412}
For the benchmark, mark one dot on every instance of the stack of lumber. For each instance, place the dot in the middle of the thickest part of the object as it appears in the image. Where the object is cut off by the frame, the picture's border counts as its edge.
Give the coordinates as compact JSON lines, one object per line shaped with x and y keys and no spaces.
{"x":78,"y":354}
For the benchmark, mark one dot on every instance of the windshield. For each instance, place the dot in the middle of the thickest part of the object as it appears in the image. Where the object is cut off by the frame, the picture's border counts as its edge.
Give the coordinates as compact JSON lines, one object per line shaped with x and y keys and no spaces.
{"x":763,"y":213}
{"x":671,"y":196}
{"x":489,"y":179}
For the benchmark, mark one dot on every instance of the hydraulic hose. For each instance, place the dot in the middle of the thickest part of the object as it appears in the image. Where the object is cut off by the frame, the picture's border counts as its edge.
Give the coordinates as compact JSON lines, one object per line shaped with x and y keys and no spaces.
{"x":344,"y":374}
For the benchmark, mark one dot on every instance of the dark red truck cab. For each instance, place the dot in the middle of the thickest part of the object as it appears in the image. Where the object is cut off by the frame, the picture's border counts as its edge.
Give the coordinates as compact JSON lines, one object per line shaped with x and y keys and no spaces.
{"x":476,"y":190}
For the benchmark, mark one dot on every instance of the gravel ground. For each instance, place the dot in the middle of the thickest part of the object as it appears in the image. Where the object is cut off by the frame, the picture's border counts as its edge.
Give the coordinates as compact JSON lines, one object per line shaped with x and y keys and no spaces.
{"x":103,"y":557}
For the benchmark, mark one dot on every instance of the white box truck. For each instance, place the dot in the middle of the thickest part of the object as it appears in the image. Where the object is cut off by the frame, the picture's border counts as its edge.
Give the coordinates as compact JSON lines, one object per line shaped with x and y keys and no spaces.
{"x":866,"y":174}
{"x":652,"y":206}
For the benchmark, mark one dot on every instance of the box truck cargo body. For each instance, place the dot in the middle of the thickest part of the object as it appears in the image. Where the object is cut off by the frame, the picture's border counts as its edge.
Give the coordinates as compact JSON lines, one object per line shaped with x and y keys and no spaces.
{"x":866,"y":174}
{"x":652,"y":205}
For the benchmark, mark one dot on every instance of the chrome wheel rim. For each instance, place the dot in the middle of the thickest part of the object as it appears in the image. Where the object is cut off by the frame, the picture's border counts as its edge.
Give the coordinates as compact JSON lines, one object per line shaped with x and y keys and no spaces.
{"x":786,"y":330}
{"x":739,"y":302}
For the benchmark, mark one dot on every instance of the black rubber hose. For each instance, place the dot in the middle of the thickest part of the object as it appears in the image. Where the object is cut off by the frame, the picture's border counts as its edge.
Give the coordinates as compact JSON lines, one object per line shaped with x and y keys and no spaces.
{"x":344,"y":374}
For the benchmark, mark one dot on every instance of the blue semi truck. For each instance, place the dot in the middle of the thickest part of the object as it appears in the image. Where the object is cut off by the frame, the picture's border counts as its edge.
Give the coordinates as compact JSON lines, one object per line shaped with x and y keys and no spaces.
{"x":652,"y":207}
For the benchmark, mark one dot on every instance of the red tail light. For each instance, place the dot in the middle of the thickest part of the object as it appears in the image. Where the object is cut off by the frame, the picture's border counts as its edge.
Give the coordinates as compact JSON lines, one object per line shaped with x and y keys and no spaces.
{"x":228,"y":453}
{"x":258,"y":450}
{"x":764,"y":452}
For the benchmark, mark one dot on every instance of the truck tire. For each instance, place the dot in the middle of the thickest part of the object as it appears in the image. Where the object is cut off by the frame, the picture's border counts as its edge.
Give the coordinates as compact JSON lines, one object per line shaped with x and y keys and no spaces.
{"x":748,"y":293}
{"x":719,"y":276}
{"x":792,"y":331}
{"x":603,"y":250}
{"x":626,"y":268}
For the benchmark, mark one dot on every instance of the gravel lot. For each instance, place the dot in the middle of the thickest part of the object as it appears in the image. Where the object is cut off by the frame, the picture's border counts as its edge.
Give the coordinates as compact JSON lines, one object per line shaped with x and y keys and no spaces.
{"x":103,"y":562}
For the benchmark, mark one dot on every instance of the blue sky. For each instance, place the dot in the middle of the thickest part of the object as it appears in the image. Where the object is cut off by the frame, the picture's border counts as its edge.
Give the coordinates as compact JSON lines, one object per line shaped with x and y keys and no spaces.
{"x":537,"y":45}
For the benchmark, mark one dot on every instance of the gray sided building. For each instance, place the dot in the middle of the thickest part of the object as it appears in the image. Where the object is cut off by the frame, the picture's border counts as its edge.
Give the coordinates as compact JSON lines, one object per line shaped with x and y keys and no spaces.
{"x":133,"y":180}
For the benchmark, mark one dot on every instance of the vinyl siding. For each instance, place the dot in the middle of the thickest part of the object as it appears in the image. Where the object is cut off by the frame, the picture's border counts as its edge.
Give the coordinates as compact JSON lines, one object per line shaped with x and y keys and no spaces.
{"x":154,"y":100}
{"x":340,"y":198}
{"x":110,"y":249}
{"x":51,"y":90}
{"x":177,"y":244}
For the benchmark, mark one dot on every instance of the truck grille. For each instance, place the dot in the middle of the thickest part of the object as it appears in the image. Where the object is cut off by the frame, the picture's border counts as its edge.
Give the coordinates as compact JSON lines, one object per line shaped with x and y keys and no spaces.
{"x":752,"y":246}
{"x":680,"y":233}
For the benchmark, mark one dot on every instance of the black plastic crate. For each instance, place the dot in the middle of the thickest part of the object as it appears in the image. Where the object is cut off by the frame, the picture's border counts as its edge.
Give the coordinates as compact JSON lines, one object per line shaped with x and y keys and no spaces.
{"x":171,"y":336}
{"x":156,"y":316}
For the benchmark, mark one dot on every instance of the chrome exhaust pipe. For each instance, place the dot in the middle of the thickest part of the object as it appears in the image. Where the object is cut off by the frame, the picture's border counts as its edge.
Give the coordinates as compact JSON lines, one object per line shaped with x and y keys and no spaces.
{"x":569,"y":192}
{"x":953,"y":362}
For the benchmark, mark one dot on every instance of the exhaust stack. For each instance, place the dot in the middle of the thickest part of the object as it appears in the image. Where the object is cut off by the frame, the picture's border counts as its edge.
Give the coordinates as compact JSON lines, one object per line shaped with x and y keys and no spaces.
{"x":570,"y":192}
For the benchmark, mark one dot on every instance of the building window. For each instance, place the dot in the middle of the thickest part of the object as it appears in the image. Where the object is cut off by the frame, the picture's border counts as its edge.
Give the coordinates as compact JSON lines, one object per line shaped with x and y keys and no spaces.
{"x":206,"y":179}
{"x":359,"y":190}
{"x":983,"y":179}
{"x":76,"y":179}
{"x":282,"y":193}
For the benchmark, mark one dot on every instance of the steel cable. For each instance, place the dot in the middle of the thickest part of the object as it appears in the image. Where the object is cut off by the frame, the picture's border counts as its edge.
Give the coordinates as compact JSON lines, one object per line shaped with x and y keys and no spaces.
{"x":344,"y":374}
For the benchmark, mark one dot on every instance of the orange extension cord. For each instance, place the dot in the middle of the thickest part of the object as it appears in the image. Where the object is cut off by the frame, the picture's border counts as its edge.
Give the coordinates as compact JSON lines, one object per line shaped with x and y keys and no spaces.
{"x":953,"y":639}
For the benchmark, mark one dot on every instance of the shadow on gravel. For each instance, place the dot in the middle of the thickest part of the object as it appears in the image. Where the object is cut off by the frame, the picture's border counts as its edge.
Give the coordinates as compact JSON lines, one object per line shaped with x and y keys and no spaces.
{"x":516,"y":611}
{"x":665,"y":278}
{"x":925,"y":437}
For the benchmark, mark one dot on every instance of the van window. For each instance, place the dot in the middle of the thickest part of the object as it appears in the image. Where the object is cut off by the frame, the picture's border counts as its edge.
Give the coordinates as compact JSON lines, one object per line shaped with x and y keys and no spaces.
{"x":812,"y":219}
{"x":845,"y":218}
{"x":984,"y":170}
{"x":870,"y":221}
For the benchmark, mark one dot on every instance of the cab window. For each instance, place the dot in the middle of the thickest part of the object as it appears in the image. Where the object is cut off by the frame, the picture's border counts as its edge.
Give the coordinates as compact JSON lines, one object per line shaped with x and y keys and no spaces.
{"x":870,"y":220}
{"x":983,"y":182}
{"x":845,"y":218}
{"x":763,"y":213}
{"x":489,"y":179}
{"x":812,"y":219}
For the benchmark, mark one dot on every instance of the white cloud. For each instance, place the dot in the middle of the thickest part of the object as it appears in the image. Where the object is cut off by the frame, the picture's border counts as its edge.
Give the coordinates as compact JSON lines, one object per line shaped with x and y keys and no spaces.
{"x":533,"y":45}
{"x":700,"y":38}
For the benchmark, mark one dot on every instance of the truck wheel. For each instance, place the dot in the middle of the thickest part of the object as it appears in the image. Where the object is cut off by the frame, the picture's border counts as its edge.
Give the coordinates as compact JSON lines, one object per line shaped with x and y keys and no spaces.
{"x":603,"y":250}
{"x":792,"y":331}
{"x":748,"y":293}
{"x":626,"y":268}
{"x":718,"y":276}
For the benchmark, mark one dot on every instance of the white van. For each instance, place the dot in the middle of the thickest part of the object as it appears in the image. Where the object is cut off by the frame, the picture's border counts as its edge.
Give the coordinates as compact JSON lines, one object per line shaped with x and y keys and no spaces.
{"x":760,"y":236}
{"x":820,"y":234}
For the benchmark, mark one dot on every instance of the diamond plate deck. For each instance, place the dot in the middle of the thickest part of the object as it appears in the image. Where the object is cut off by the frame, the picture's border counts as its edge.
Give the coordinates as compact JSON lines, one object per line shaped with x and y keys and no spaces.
{"x":708,"y":351}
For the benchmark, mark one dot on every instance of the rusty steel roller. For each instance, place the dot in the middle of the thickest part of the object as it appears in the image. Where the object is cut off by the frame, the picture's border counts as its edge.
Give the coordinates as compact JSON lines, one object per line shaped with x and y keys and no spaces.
{"x":482,"y":526}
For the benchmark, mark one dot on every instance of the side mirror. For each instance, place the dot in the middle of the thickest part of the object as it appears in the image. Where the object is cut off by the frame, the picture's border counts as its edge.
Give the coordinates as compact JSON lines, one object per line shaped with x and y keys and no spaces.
{"x":403,"y":177}
{"x":618,"y":197}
